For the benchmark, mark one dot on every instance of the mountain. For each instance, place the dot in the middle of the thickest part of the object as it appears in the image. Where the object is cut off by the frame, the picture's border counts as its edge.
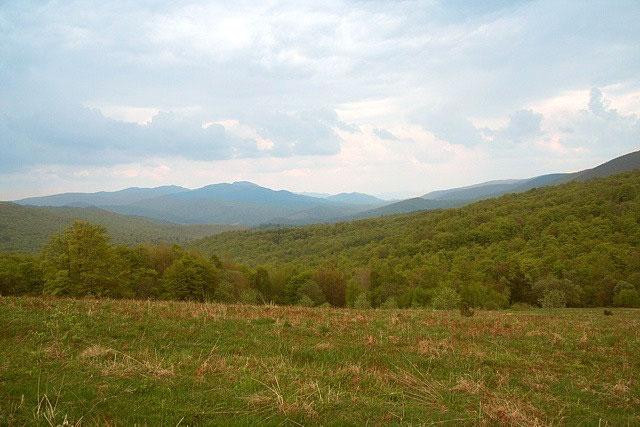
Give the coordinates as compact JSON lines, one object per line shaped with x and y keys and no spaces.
{"x":248,"y":204}
{"x":625,"y":163}
{"x":312,"y":194}
{"x":238,"y":203}
{"x":102,"y":198}
{"x":559,"y":222}
{"x":465,"y":195}
{"x":27,"y":228}
{"x":485,"y":189}
{"x":581,"y":239}
{"x":406,"y":206}
{"x":356,"y":199}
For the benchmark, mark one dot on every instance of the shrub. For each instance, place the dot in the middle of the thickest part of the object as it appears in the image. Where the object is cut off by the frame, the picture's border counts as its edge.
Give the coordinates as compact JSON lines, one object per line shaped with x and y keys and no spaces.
{"x":445,"y":298}
{"x":191,"y":277}
{"x":362,"y":301}
{"x":249,"y":296}
{"x":306,"y":301}
{"x":572,"y":294}
{"x":521,"y":306}
{"x":627,"y":298}
{"x":553,"y":298}
{"x":389,"y":303}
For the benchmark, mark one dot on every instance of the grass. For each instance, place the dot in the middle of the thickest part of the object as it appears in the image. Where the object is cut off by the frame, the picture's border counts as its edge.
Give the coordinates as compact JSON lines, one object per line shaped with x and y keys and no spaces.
{"x":126,"y":362}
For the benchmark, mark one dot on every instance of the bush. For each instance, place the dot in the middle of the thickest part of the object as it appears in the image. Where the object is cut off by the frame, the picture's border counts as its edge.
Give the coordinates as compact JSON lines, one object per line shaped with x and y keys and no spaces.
{"x":249,"y":296}
{"x":553,"y":299}
{"x":306,"y":301}
{"x":389,"y":303}
{"x":627,"y":298}
{"x":225,"y":292}
{"x":446,"y":298}
{"x":191,"y":277}
{"x":571,"y":293}
{"x":521,"y":306}
{"x":362,"y":301}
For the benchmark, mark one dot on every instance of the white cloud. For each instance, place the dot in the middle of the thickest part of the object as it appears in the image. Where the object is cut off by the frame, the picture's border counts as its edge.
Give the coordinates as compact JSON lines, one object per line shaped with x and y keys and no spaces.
{"x":465,"y":89}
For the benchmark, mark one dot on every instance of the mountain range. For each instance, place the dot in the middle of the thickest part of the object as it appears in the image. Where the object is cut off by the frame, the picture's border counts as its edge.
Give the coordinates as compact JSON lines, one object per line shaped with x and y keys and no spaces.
{"x":246,"y":204}
{"x":461,"y":196}
{"x":27,"y":228}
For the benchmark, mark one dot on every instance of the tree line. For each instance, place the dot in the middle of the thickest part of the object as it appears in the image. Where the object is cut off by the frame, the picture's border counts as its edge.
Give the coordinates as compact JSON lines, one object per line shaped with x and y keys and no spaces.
{"x":573,"y":245}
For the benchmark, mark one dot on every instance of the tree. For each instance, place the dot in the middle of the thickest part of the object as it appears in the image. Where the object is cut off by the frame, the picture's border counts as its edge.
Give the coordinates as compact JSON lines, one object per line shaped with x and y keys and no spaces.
{"x":626,"y":295}
{"x":191,"y":277}
{"x":333,"y":284}
{"x":553,"y":298}
{"x":571,"y":293}
{"x":445,"y":298}
{"x":19,"y":274}
{"x":362,"y":301}
{"x":260,"y":282}
{"x":79,"y":262}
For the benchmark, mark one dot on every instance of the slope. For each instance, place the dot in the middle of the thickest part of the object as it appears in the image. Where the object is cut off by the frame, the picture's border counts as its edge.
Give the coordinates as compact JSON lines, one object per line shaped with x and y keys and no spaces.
{"x":464,"y":195}
{"x":27,"y":228}
{"x":101,"y":198}
{"x":237,"y":203}
{"x":570,"y":222}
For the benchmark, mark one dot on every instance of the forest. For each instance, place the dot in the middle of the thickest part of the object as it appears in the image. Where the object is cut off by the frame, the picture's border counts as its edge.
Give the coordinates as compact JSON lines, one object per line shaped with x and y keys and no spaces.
{"x":573,"y":245}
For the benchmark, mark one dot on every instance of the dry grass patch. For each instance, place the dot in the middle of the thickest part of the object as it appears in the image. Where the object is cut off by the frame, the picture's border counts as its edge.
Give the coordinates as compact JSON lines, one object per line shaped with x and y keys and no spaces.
{"x":434,"y":347}
{"x":419,"y":387}
{"x":272,"y":401}
{"x":468,"y":385}
{"x":323,"y":346}
{"x":112,"y":362}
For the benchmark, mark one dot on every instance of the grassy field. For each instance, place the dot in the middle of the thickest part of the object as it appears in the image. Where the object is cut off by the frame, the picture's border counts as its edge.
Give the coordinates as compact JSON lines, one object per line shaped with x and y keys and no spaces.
{"x":124,"y":362}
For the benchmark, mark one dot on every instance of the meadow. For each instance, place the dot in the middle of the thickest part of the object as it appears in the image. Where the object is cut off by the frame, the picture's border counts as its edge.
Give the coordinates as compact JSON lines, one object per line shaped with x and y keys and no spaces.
{"x":120,"y":362}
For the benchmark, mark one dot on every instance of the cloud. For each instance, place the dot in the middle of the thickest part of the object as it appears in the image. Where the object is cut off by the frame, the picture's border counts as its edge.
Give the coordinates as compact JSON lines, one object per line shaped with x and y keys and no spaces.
{"x":384,"y":134}
{"x":75,"y":135}
{"x":601,"y":129}
{"x":451,"y":127}
{"x":523,"y":126}
{"x":266,"y":81}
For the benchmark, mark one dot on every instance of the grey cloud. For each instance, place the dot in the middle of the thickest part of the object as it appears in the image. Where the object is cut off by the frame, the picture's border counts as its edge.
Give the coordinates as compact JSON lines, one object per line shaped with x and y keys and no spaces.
{"x":523,"y":126}
{"x":384,"y":134}
{"x":451,"y":127}
{"x":62,"y":134}
{"x":299,"y":133}
{"x":283,"y":68}
{"x":601,"y":129}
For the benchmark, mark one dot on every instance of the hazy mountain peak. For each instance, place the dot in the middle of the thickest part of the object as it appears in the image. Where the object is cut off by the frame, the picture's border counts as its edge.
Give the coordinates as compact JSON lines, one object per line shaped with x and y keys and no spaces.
{"x":355,"y":198}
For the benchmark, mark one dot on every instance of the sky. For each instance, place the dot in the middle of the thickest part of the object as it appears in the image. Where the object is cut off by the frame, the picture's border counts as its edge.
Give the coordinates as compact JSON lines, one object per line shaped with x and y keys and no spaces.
{"x":389,"y":98}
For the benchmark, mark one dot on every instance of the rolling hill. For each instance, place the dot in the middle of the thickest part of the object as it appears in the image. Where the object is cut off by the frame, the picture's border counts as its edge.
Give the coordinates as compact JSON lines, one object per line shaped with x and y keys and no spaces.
{"x":245,"y":203}
{"x":102,"y":198}
{"x":465,"y":195}
{"x":27,"y":228}
{"x":541,"y":225}
{"x":225,"y":203}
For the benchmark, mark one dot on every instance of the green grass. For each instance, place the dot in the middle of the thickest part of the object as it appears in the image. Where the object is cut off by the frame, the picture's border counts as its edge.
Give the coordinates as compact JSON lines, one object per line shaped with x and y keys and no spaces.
{"x":125,"y":362}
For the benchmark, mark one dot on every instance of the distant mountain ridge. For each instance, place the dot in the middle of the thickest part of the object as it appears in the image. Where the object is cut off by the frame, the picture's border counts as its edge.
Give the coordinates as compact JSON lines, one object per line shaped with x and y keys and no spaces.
{"x":249,"y":204}
{"x":239,"y":202}
{"x":102,"y":198}
{"x":356,"y":199}
{"x":27,"y":228}
{"x":455,"y":197}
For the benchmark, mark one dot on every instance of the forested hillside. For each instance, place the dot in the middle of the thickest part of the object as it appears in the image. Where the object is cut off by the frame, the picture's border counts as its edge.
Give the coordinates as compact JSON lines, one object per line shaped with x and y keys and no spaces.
{"x":28,"y":228}
{"x":577,"y":244}
{"x":583,"y":233}
{"x":455,"y":197}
